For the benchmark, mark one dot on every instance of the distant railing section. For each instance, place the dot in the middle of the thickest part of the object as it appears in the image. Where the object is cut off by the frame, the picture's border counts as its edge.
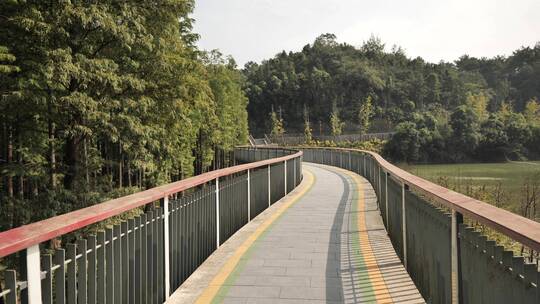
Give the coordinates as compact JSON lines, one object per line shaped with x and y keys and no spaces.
{"x":448,"y":260}
{"x":149,"y":255}
{"x":298,"y":139}
{"x":258,"y":141}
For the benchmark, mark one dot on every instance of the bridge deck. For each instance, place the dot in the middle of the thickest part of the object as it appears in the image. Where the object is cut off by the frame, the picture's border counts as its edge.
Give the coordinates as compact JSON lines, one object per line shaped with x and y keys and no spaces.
{"x":323,"y":243}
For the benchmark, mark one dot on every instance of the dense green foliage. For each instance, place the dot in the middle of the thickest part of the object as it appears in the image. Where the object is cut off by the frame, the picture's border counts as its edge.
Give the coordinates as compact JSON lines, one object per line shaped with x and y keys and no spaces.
{"x":470,"y":109}
{"x":469,"y":133}
{"x":336,"y":125}
{"x":308,"y":131}
{"x":375,"y":145}
{"x":365,"y":114}
{"x":104,"y":98}
{"x":277,"y":124}
{"x":327,"y":71}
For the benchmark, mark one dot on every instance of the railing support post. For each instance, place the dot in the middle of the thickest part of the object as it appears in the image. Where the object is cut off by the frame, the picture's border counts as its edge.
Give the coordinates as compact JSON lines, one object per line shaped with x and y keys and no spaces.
{"x":33,"y":274}
{"x":269,"y":196}
{"x":386,"y":200}
{"x":294,"y":169}
{"x":457,"y":218}
{"x":364,"y":166}
{"x":248,"y":196}
{"x":217,"y":212}
{"x":165,"y":202}
{"x":379,"y":189}
{"x":285,"y":175}
{"x":373,"y":180}
{"x":404,"y":224}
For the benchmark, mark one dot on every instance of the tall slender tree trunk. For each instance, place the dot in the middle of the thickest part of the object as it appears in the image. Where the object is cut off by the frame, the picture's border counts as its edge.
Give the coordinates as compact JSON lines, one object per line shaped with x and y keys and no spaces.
{"x":143,"y":178}
{"x":52,"y":155}
{"x":35,"y":188}
{"x":72,"y":161}
{"x":139,"y":178}
{"x":20,"y":162}
{"x":10,"y":161}
{"x":87,"y":172}
{"x":120,"y":165}
{"x":129,"y":173}
{"x":108,"y":165}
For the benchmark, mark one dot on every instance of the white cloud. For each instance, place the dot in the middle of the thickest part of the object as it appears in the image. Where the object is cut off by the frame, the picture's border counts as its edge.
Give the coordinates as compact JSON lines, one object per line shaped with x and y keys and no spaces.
{"x":436,"y":30}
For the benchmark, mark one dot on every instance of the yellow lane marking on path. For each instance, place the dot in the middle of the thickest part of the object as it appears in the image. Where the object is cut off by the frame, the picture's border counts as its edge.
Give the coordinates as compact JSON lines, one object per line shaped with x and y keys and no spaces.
{"x":379,"y":288}
{"x":210,"y":292}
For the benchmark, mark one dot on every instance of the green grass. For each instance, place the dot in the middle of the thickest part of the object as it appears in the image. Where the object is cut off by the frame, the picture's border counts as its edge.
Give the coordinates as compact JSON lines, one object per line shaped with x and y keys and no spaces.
{"x":500,"y":184}
{"x":480,"y":179}
{"x":512,"y":174}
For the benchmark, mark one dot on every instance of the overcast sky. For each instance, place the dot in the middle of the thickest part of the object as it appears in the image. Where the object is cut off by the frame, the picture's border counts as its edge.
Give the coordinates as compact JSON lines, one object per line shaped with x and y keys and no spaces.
{"x":253,"y":30}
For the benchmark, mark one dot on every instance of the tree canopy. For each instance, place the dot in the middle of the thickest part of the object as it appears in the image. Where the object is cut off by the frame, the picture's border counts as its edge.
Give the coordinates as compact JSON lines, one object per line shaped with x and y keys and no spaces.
{"x":100,"y":96}
{"x":327,"y":72}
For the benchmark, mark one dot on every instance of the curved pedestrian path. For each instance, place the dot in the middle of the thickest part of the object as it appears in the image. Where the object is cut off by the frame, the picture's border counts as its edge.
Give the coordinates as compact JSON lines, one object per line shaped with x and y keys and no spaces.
{"x":323,"y":243}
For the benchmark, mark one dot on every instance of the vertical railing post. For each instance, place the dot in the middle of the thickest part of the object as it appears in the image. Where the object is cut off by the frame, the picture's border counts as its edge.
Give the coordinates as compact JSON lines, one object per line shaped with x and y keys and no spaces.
{"x":269,"y":196}
{"x":373,"y":180}
{"x":217,"y":212}
{"x":294,"y":170}
{"x":165,"y":202}
{"x":386,"y":200}
{"x":457,"y":218}
{"x":365,"y":170}
{"x":404,"y":224}
{"x":285,"y":175}
{"x":379,"y":188}
{"x":33,"y":274}
{"x":349,"y":160}
{"x":248,"y":196}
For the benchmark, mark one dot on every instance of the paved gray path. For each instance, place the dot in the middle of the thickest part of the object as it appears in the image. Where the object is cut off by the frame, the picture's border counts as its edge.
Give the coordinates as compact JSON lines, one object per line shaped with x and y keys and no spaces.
{"x":328,"y":247}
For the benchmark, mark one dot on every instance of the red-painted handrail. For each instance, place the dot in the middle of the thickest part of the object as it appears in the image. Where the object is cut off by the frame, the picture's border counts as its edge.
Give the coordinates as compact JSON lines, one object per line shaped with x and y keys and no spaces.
{"x":17,"y":239}
{"x":518,"y":228}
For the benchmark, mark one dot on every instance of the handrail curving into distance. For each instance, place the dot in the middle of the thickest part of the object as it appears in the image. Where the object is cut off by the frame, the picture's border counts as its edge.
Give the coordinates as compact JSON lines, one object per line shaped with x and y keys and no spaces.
{"x":14,"y":240}
{"x":517,"y":227}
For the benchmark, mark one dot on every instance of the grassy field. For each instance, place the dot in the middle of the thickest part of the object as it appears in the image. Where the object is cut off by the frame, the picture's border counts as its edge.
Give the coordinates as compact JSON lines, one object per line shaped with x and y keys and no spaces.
{"x":482,"y":180}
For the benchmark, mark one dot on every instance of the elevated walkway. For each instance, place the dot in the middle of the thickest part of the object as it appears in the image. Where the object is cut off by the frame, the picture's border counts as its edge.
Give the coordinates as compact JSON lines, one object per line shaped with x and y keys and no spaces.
{"x":265,"y":231}
{"x":325,"y":242}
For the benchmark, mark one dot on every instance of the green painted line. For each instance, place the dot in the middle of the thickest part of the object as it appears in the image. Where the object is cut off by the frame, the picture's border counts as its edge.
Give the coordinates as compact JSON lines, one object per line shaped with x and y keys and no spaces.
{"x":365,"y":288}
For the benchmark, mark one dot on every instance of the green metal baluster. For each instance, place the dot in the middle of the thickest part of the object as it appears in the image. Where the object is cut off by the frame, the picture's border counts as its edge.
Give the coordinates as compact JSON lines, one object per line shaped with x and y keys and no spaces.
{"x":82,"y":279}
{"x":60,"y":276}
{"x":92,"y":267}
{"x":46,"y":284}
{"x":10,"y":277}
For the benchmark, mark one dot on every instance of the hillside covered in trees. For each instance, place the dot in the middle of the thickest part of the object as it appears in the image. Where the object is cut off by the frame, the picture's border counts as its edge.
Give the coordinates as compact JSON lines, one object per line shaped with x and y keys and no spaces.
{"x":472,"y":109}
{"x":103,"y":98}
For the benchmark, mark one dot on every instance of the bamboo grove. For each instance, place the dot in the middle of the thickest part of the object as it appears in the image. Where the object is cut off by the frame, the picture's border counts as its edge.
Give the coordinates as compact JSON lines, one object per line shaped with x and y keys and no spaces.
{"x":103,"y":98}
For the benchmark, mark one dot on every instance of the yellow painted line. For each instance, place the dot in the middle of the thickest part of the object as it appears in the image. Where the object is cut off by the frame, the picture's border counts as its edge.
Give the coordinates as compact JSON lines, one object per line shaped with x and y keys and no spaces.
{"x":210,"y":292}
{"x":381,"y":293}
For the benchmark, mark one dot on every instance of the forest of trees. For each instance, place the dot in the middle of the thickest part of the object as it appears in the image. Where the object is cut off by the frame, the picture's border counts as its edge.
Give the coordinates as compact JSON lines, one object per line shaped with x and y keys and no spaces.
{"x":471,"y":109}
{"x":102,"y":98}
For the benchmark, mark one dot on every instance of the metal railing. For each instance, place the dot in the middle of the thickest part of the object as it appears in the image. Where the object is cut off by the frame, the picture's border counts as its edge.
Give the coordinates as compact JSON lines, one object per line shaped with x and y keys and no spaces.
{"x":448,"y":259}
{"x":298,"y":139}
{"x":143,"y":258}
